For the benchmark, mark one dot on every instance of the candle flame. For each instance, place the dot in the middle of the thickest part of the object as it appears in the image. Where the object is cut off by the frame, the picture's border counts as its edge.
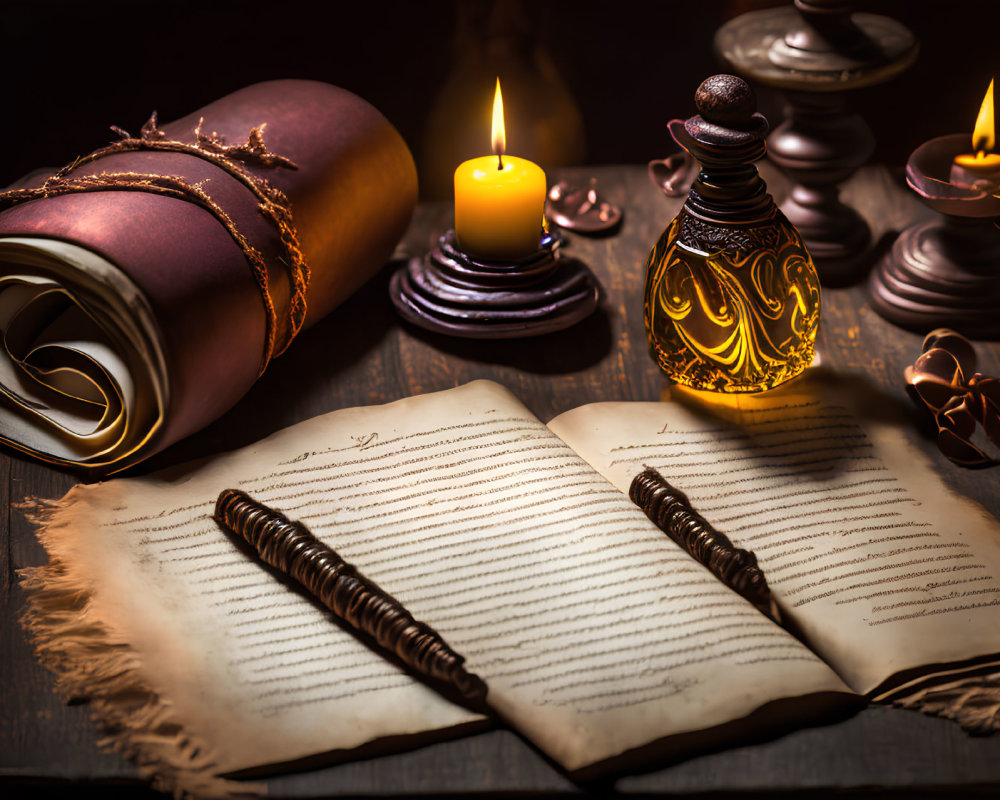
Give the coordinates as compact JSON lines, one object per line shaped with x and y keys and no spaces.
{"x":984,"y":134}
{"x":499,"y":135}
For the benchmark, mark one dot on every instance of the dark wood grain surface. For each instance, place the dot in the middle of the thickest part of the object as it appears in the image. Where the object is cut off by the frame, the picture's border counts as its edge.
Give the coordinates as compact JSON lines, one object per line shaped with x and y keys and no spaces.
{"x":362,"y":355}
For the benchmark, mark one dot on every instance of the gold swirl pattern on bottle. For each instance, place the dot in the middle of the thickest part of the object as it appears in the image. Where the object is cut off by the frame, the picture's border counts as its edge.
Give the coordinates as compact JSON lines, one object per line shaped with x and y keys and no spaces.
{"x":732,"y":319}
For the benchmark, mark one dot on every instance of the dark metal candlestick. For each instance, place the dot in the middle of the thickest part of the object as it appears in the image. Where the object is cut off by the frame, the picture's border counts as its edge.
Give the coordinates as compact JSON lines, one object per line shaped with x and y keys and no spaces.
{"x":944,"y":272}
{"x":448,"y":291}
{"x":816,"y":52}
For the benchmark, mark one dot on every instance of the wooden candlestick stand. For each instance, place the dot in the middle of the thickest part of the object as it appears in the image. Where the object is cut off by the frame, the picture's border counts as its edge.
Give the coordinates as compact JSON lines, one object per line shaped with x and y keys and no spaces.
{"x":448,"y":291}
{"x":816,"y":52}
{"x":944,"y":273}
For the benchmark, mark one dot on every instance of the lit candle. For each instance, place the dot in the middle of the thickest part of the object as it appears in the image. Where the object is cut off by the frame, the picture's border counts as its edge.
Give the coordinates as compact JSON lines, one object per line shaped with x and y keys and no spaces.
{"x":499,"y":200}
{"x":981,"y":169}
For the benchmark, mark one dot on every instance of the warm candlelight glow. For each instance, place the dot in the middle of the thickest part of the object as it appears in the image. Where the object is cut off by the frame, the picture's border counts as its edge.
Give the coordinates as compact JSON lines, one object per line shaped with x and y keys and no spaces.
{"x":981,"y":160}
{"x":499,"y":201}
{"x":500,"y":135}
{"x":980,"y":168}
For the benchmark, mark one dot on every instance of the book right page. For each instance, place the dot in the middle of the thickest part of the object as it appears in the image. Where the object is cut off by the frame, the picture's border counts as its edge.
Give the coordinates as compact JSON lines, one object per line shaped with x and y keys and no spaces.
{"x":880,"y":565}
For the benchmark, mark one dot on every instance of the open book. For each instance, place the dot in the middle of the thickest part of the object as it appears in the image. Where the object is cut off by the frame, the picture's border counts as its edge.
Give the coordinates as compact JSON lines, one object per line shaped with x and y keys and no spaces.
{"x":595,"y":633}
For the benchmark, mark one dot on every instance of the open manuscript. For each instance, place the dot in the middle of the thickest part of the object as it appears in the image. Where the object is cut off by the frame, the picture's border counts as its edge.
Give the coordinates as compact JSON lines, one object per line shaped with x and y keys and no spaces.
{"x":517,"y":541}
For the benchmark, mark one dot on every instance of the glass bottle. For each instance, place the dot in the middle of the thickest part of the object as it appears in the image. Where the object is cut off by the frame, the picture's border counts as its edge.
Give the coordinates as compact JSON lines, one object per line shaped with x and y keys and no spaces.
{"x":732,"y":298}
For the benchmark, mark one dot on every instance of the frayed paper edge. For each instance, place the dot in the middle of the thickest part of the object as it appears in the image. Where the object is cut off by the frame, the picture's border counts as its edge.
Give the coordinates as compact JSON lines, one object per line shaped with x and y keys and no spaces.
{"x":973,"y":702}
{"x":90,"y":664}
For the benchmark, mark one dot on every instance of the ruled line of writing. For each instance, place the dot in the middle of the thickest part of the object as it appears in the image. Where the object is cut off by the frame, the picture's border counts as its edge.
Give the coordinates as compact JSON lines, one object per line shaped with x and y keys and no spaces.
{"x":793,"y":470}
{"x":760,"y":419}
{"x":708,"y":456}
{"x":668,"y":629}
{"x":524,"y":426}
{"x":390,"y":443}
{"x":758,"y":653}
{"x":385,"y":474}
{"x":373,"y":463}
{"x":806,"y":448}
{"x":803,"y":501}
{"x":566,"y":666}
{"x":927,"y":611}
{"x":704,"y":437}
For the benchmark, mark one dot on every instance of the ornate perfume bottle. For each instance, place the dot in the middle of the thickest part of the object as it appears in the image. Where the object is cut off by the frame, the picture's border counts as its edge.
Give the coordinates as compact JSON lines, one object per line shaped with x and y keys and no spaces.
{"x":732,"y":296}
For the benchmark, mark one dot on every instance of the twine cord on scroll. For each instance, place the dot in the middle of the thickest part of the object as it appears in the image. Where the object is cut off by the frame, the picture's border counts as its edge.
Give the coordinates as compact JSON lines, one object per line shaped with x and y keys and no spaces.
{"x":271,"y":202}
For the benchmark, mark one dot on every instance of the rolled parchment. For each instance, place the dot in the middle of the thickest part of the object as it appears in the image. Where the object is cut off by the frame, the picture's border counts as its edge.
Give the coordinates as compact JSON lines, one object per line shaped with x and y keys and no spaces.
{"x":145,"y":288}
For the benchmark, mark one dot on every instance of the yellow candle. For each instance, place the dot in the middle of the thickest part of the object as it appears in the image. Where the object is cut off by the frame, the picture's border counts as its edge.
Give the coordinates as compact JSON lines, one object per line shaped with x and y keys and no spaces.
{"x":498,"y":212}
{"x":499,"y":201}
{"x":981,"y":162}
{"x":980,"y":168}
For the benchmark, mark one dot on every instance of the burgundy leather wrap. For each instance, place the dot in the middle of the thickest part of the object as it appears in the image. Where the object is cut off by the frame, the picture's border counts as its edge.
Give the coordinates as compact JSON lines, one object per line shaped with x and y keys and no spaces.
{"x":351,"y":197}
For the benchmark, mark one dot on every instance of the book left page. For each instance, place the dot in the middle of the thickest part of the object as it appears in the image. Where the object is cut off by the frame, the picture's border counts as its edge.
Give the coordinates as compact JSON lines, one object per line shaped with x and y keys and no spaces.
{"x":242,"y":667}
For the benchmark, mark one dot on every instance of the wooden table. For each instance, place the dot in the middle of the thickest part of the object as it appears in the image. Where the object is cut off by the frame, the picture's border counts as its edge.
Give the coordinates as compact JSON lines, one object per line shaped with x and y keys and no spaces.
{"x":362,"y":354}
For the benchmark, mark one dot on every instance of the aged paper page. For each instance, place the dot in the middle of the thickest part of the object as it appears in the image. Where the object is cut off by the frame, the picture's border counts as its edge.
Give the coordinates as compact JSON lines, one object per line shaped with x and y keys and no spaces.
{"x":252,"y":670}
{"x":593,"y":631}
{"x":881,"y":566}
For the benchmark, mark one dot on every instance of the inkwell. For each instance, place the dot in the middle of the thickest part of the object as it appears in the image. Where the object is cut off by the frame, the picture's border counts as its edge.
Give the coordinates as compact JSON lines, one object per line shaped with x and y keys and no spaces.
{"x":731,"y":298}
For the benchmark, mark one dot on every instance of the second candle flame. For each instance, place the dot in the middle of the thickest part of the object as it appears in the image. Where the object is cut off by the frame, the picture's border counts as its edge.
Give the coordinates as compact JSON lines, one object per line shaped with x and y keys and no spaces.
{"x":499,"y":135}
{"x":984,"y":134}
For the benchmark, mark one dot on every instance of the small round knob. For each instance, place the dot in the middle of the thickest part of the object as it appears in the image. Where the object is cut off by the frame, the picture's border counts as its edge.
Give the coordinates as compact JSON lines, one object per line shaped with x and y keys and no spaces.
{"x":726,"y":100}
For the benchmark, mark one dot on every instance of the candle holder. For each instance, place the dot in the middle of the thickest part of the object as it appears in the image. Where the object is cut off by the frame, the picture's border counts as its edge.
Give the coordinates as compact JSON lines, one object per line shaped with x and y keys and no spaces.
{"x":943,"y":272}
{"x":816,"y":53}
{"x":449,"y":291}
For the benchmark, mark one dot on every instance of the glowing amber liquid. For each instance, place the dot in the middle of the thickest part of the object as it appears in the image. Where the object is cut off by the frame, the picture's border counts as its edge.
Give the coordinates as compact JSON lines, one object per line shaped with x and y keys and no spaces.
{"x":738,"y":319}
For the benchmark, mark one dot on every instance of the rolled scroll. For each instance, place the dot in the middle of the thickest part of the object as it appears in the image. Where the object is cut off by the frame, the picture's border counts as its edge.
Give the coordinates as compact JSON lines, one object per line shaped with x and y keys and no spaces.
{"x":144,"y":288}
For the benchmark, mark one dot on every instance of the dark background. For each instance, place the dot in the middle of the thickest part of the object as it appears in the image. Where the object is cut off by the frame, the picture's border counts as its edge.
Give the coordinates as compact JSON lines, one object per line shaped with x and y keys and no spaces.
{"x":74,"y":68}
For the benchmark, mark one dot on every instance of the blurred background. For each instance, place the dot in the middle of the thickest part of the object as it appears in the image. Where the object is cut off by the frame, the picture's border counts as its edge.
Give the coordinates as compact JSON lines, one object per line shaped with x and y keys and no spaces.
{"x":584,"y":81}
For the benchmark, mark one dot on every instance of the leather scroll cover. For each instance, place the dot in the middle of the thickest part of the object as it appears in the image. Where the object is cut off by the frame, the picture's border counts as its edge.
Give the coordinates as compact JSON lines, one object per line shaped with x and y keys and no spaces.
{"x":144,"y":289}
